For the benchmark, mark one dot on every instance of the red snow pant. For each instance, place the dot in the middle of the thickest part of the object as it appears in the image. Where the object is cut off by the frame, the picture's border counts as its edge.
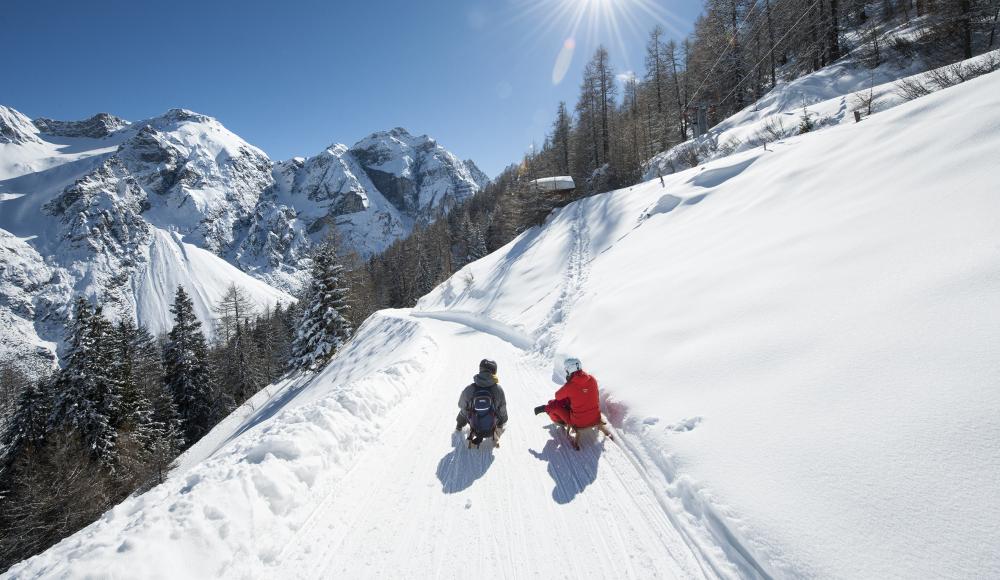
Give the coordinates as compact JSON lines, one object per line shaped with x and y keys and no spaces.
{"x":558,"y":410}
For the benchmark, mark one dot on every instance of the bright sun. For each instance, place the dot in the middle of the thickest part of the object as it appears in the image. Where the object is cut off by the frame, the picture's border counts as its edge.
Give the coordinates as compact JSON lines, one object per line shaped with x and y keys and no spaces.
{"x":587,"y":23}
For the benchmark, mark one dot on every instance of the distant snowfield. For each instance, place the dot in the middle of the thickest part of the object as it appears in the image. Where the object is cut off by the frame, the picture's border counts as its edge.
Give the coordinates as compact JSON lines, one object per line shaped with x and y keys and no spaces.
{"x":172,"y":263}
{"x":798,"y":353}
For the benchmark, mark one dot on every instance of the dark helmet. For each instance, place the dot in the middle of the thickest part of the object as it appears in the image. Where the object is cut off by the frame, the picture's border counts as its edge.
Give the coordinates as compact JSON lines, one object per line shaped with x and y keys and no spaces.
{"x":489,"y":366}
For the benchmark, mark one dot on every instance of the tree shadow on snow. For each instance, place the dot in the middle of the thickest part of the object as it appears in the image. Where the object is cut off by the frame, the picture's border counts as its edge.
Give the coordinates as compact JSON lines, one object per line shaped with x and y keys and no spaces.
{"x":461,"y":467}
{"x":571,"y":470}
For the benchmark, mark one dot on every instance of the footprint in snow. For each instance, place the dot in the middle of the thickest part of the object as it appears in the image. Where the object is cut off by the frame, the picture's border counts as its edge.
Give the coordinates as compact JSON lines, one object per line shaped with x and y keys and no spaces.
{"x":468,"y":503}
{"x":685,"y":424}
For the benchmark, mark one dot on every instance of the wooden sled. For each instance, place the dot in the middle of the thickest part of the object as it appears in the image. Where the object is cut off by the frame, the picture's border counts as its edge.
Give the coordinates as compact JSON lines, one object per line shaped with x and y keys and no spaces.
{"x":495,"y":437}
{"x":574,"y":432}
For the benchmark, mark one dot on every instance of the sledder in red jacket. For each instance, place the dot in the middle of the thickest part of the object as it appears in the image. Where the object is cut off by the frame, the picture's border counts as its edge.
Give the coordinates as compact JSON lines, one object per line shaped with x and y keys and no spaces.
{"x":576,"y":403}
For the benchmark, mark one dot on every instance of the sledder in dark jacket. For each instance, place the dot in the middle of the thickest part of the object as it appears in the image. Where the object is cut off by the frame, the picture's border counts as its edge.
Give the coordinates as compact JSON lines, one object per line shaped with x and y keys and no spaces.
{"x":486,"y":379}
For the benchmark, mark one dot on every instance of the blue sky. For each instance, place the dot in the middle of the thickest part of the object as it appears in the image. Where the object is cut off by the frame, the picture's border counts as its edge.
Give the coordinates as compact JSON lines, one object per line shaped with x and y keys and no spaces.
{"x":293,"y":77}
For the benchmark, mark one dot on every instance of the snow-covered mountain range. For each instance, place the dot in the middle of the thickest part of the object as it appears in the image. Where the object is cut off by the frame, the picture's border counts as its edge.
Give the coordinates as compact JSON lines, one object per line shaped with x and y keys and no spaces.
{"x":127,"y":211}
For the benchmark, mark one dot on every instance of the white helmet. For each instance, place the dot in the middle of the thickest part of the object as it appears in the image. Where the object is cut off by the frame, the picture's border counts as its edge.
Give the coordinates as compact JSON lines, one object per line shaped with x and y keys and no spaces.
{"x":572,"y":365}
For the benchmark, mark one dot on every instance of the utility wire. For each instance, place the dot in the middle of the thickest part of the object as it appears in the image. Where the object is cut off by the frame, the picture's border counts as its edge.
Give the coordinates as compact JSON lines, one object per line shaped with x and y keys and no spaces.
{"x":732,"y":41}
{"x":776,"y":44}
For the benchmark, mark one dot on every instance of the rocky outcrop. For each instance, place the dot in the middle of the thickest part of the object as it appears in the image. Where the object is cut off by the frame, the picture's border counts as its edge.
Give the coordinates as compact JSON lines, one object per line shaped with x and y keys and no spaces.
{"x":16,"y":128}
{"x":99,"y":126}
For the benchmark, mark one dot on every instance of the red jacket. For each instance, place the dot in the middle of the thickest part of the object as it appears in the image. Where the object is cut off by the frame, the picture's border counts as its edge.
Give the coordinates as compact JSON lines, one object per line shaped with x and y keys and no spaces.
{"x":584,"y":403}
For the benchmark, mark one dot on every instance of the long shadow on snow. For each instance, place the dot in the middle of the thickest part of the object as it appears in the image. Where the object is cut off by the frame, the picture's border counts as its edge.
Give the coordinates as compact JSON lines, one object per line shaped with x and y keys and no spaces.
{"x":571,"y":470}
{"x":461,"y":467}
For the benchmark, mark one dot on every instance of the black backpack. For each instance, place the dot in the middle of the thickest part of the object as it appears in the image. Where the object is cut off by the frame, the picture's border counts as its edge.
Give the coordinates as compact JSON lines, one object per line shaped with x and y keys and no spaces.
{"x":482,"y":415}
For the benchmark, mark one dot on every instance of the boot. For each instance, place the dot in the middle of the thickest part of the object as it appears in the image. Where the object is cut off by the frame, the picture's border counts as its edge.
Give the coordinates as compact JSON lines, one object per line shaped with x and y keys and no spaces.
{"x":539,"y":409}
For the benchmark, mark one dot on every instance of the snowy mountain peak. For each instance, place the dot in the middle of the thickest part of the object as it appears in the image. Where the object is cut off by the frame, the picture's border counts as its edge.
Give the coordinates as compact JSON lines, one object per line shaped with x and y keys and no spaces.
{"x":416,"y":174}
{"x":478,"y":174}
{"x":181,"y":115}
{"x":205,"y":179}
{"x":15,"y":127}
{"x":99,"y":126}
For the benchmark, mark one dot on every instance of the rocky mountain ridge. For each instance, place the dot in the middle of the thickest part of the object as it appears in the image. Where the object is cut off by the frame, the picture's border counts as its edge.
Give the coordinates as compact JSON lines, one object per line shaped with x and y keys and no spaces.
{"x":105,"y":204}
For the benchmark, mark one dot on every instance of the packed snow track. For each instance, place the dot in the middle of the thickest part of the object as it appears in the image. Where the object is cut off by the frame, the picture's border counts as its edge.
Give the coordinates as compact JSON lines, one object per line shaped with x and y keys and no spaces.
{"x":358,"y":472}
{"x":420,"y":504}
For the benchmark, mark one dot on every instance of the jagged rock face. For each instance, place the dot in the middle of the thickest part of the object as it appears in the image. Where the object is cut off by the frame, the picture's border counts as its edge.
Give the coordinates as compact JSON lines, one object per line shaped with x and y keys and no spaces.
{"x":418,"y":176}
{"x":99,"y":126}
{"x":102,"y":233}
{"x":372,"y":193}
{"x":102,"y":211}
{"x":330,"y":178}
{"x":33,"y":297}
{"x":201,"y":179}
{"x":478,"y":175}
{"x":16,"y":128}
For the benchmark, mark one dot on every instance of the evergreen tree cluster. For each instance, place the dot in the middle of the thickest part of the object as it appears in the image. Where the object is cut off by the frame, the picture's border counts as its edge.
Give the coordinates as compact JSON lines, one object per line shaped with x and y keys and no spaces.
{"x":84,"y":438}
{"x":120,"y":410}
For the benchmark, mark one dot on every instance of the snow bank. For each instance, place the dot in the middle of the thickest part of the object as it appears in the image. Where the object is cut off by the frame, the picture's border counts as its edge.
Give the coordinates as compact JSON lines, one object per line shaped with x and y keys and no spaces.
{"x":801,"y":342}
{"x":241,"y":495}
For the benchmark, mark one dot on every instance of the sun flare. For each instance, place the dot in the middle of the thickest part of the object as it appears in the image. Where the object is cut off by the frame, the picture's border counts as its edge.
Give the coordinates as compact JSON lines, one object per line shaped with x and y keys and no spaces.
{"x":587,"y":23}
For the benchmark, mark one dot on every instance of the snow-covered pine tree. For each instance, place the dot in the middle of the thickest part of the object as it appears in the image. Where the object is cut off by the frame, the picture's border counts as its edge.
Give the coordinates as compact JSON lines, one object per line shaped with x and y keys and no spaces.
{"x":245,"y":377}
{"x":263,"y":336}
{"x":185,"y":370}
{"x":806,"y":123}
{"x":28,"y":425}
{"x":286,"y":330}
{"x":165,"y":429}
{"x":132,"y":347}
{"x":88,"y":398}
{"x":472,"y":242}
{"x":126,"y":341}
{"x":323,"y":328}
{"x":168,"y":431}
{"x":477,"y":244}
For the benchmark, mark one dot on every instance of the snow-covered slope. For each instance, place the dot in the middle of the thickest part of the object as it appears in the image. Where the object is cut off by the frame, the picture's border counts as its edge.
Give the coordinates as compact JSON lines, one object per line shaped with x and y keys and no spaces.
{"x":118,"y":209}
{"x":797,"y":351}
{"x":802,"y":340}
{"x":827,"y":96}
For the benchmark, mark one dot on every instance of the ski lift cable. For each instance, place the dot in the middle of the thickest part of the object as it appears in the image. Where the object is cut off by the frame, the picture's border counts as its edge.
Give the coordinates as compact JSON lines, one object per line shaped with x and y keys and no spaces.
{"x":729,"y":45}
{"x":768,"y":53}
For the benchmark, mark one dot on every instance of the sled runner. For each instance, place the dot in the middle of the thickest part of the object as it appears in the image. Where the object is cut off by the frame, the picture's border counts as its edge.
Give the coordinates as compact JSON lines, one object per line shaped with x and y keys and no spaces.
{"x":574,"y":432}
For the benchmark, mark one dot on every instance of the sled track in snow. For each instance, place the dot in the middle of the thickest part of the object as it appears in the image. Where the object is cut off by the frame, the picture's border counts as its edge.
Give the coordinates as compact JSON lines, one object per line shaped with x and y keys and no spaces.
{"x":574,"y":281}
{"x":718,"y":551}
{"x":534,"y":507}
